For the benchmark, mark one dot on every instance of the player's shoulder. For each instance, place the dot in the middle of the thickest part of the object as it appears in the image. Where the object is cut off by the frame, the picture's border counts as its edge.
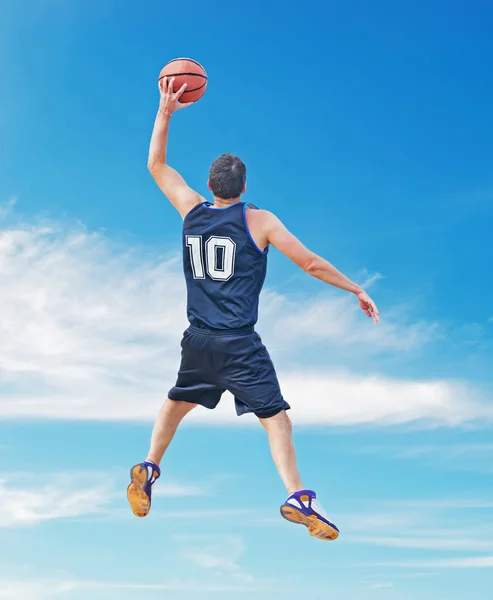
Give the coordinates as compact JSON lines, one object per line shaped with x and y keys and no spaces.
{"x":259,"y":217}
{"x":258,"y":213}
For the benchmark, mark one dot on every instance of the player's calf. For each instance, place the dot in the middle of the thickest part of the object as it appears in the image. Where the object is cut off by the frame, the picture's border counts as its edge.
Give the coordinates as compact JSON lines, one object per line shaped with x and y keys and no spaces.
{"x":301,"y":506}
{"x":279,"y":431}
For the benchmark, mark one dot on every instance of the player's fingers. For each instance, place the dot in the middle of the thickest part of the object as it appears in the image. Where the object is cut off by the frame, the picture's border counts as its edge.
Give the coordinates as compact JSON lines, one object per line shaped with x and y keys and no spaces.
{"x":180,"y":91}
{"x":165,"y":86}
{"x":170,"y":88}
{"x":376,"y":314}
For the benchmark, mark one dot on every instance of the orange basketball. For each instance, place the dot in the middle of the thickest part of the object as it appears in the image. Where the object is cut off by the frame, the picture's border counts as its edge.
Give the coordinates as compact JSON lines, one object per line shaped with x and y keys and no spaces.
{"x":186,"y":70}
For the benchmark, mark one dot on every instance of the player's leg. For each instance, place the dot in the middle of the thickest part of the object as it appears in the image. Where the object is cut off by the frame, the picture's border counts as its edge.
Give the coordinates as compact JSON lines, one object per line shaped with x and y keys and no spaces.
{"x":301,"y":506}
{"x":169,"y":417}
{"x":279,"y":431}
{"x":143,"y":475}
{"x":254,"y":383}
{"x":192,"y":388}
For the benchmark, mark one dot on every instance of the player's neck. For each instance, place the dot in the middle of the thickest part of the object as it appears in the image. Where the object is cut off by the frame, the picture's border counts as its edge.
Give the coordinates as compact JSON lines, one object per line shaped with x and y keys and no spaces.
{"x":222,"y":203}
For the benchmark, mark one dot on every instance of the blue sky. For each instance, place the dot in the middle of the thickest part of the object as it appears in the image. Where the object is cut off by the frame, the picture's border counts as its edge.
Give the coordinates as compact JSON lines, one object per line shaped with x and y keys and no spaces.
{"x":368,"y":131}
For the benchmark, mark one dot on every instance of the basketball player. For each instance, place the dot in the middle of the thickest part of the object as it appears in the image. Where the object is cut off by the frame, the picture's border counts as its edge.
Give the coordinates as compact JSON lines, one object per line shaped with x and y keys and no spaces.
{"x":225,"y":247}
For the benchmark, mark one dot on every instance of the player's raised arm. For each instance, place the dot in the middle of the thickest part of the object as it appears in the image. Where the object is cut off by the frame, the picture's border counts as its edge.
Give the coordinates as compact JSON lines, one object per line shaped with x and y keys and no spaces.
{"x":316,"y":266}
{"x":182,"y":197}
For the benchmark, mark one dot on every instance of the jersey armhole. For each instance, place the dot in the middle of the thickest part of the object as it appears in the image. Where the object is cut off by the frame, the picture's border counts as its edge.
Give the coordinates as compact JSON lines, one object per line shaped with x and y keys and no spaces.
{"x":194,"y":209}
{"x":247,"y":206}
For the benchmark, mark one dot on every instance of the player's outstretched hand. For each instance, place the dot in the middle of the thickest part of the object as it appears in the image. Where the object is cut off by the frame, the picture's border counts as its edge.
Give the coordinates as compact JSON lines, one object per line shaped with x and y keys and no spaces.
{"x":170,"y":100}
{"x":370,"y":308}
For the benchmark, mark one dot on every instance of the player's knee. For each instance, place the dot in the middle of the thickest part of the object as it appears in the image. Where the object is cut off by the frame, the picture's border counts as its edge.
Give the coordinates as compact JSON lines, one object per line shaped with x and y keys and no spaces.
{"x":178,"y":408}
{"x":280,"y":419}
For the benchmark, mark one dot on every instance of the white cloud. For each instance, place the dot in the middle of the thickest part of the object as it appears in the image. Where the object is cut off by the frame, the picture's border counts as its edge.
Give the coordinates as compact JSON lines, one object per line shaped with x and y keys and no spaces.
{"x":169,"y":488}
{"x":475,"y":562}
{"x":423,"y":525}
{"x":220,"y":552}
{"x":335,"y":318}
{"x":90,"y":329}
{"x":474,"y":457}
{"x":29,"y":498}
{"x":445,"y":503}
{"x":447,"y":451}
{"x":205,"y":515}
{"x":6,"y":208}
{"x":34,"y":590}
{"x":161,"y":511}
{"x":57,"y":499}
{"x":42,"y":589}
{"x":427,"y":542}
{"x":348,"y":399}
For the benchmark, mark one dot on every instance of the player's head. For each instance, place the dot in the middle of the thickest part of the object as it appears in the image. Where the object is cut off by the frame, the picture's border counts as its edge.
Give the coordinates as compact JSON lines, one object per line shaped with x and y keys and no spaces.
{"x":227,"y":177}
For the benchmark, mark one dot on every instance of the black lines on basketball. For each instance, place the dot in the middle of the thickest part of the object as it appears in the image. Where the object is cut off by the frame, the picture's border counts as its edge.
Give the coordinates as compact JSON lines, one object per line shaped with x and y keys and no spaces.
{"x":189,"y":71}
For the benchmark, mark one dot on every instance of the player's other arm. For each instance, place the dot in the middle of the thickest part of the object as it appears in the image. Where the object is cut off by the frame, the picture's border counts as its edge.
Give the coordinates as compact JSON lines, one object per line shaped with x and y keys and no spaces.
{"x":172,"y":184}
{"x":316,"y":266}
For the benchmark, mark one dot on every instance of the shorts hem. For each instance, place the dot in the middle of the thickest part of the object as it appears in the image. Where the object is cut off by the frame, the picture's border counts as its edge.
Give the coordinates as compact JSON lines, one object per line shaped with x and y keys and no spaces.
{"x":182,"y":400}
{"x":196,"y":401}
{"x":270,"y":413}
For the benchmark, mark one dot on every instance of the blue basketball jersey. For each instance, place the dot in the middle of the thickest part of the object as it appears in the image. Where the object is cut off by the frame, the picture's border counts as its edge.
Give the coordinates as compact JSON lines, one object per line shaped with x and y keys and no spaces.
{"x":224,"y":268}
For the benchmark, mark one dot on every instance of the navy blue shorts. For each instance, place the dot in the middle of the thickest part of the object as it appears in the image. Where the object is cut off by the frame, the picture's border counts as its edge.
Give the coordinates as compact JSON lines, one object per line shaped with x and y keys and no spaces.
{"x":233,"y":360}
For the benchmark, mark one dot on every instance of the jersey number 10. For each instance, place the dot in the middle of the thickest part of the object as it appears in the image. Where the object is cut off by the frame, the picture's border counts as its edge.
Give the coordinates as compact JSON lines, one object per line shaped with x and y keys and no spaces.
{"x":219,"y":257}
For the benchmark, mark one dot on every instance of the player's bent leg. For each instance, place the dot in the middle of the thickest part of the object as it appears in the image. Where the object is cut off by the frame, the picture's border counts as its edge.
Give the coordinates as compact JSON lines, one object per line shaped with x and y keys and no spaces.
{"x":169,"y":417}
{"x":301,"y":506}
{"x":143,"y":475}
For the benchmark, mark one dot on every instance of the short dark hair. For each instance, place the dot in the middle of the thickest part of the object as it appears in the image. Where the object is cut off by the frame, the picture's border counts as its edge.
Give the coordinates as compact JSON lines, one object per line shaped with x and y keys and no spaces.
{"x":227,"y":177}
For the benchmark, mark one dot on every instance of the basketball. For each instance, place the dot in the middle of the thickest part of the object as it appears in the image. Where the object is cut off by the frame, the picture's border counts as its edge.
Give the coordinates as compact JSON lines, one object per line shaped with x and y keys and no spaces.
{"x":186,"y":70}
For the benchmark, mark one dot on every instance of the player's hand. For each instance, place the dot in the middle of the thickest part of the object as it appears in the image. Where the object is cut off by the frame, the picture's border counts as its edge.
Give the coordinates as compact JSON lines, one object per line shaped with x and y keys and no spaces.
{"x":367,"y":304}
{"x":170,"y":101}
